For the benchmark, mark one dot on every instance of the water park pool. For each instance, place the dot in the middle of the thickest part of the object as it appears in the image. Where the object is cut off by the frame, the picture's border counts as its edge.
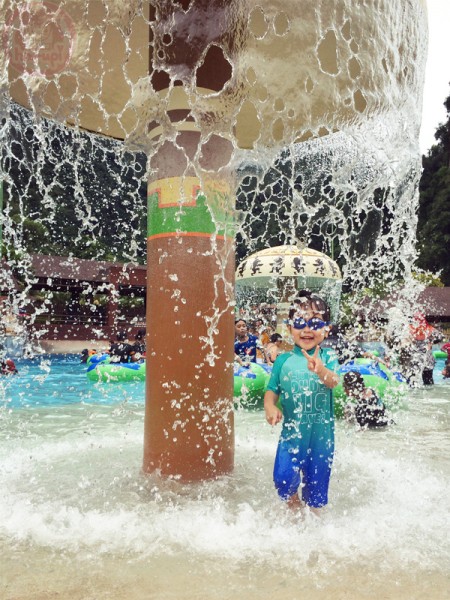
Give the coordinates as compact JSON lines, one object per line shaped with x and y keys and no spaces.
{"x":78,"y":519}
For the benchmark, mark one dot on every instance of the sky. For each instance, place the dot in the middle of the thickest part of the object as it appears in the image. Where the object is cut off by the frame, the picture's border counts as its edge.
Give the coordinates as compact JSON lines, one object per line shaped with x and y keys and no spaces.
{"x":437,"y":74}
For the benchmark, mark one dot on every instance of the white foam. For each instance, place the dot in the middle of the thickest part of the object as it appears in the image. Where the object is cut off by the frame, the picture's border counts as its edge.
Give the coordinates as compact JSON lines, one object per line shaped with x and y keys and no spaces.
{"x":85,"y":492}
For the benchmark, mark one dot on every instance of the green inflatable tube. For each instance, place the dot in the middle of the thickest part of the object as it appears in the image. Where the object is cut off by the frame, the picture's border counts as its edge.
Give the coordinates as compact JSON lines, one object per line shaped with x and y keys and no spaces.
{"x":101,"y":369}
{"x":250,"y":385}
{"x":439,"y":354}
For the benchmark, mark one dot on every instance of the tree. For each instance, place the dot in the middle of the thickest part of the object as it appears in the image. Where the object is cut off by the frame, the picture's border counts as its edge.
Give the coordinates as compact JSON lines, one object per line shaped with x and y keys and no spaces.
{"x":433,"y":232}
{"x":68,"y":192}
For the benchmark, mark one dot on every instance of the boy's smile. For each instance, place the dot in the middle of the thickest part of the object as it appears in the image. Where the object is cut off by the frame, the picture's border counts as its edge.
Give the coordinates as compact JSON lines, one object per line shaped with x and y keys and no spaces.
{"x":307,"y":338}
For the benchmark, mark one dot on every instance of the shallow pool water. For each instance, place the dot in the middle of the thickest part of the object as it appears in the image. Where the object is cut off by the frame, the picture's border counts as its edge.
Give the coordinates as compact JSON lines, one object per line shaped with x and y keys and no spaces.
{"x":79,"y":520}
{"x":59,"y":380}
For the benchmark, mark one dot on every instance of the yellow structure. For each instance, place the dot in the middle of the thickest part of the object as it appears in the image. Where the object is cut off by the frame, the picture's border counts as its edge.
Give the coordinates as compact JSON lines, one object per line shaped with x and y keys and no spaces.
{"x":277,"y":274}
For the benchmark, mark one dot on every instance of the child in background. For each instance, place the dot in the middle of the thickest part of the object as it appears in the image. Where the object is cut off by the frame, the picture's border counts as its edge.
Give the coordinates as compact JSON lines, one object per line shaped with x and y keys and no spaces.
{"x":138,"y":349}
{"x":273,"y":348}
{"x":303,"y":380}
{"x":369,"y":410}
{"x":245,"y":344}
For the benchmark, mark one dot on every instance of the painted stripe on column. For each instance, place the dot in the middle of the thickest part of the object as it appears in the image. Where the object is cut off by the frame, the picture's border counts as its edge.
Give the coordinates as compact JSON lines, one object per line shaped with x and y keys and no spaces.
{"x":181,"y":205}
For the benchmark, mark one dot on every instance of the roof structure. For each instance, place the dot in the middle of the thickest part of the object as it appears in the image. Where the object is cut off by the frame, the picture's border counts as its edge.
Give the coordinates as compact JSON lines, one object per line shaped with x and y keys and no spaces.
{"x":69,"y":269}
{"x":433,"y":302}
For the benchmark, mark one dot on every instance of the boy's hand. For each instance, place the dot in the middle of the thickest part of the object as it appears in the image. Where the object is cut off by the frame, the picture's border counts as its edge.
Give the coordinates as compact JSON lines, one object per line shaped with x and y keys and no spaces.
{"x":314,"y":363}
{"x":273,"y":415}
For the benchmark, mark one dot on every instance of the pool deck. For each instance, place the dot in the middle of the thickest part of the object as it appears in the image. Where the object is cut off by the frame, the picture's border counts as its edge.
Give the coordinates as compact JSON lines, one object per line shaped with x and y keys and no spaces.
{"x":72,"y":346}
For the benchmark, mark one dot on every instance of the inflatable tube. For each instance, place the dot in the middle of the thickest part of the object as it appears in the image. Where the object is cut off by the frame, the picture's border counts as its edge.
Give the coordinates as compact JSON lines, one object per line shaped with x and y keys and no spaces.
{"x":440,"y":354}
{"x":389,"y":385}
{"x":250,"y":384}
{"x":100,"y":368}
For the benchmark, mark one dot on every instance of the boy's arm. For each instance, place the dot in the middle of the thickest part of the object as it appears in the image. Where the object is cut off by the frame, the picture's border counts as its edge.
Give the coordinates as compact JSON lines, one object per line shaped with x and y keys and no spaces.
{"x":273,"y":413}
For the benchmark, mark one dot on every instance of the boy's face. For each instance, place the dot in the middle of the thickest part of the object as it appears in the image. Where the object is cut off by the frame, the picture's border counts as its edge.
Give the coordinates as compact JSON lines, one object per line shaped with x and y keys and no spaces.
{"x":307,"y":338}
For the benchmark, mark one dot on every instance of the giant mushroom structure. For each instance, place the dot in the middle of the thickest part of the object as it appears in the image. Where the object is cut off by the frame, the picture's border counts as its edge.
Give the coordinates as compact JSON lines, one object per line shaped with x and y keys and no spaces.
{"x":192,"y":83}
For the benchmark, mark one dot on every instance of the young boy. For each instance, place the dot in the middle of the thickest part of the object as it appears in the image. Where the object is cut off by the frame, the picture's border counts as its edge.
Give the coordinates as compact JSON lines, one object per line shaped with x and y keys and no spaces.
{"x":304,"y":379}
{"x":369,"y":410}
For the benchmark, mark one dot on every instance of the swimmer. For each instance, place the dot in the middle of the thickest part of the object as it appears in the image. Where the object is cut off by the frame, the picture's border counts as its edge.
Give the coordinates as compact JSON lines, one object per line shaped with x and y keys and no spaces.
{"x":8,"y":367}
{"x":369,"y":410}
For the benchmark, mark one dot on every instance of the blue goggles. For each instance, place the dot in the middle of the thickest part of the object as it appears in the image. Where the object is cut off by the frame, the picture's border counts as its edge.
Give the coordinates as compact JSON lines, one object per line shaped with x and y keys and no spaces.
{"x":314,"y":323}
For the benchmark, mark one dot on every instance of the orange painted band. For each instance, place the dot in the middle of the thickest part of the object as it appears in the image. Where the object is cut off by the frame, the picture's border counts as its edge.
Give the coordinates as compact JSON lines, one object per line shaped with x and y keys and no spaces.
{"x":187,"y":234}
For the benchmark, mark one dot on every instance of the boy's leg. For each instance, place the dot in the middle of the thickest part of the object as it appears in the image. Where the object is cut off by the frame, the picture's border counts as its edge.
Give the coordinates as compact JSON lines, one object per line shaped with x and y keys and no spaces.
{"x":317,"y":469}
{"x":286,"y":473}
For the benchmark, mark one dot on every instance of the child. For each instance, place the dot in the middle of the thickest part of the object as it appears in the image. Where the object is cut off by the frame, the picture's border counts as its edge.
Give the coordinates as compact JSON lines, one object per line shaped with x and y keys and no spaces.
{"x":303,"y":378}
{"x":120,"y":351}
{"x":245,"y":344}
{"x":369,"y":410}
{"x":138,"y":349}
{"x":273,"y":348}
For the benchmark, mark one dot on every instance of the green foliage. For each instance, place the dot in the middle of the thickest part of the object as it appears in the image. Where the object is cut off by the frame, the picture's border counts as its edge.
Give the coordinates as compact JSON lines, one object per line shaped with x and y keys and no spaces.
{"x":71,"y":193}
{"x":433,"y":234}
{"x":428,"y":279}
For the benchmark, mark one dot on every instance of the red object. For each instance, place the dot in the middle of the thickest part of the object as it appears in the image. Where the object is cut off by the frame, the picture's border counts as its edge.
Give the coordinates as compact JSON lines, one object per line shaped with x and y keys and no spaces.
{"x":420,"y":328}
{"x":8,"y":367}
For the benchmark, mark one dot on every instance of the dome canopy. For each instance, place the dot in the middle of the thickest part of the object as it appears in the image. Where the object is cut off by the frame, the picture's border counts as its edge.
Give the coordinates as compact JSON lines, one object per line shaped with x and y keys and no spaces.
{"x":286,"y":261}
{"x":277,"y":274}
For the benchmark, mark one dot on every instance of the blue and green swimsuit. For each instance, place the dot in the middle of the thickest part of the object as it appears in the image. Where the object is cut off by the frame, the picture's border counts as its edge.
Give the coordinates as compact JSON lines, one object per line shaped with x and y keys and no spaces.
{"x":306,"y":446}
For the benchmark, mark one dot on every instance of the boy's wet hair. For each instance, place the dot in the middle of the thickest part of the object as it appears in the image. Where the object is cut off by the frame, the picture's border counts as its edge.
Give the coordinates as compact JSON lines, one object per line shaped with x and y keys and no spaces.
{"x":309,"y":300}
{"x":354,"y":380}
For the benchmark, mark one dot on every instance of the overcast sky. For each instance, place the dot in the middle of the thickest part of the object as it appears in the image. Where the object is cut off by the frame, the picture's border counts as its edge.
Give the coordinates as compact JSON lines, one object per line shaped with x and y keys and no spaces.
{"x":437,"y":75}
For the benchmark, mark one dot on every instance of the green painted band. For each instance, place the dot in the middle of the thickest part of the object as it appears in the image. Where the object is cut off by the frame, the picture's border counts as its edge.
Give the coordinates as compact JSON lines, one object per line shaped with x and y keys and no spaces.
{"x":200,"y":217}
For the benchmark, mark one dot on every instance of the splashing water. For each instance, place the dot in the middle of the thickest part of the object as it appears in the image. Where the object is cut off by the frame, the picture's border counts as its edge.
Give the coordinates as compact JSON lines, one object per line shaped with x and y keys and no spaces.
{"x":321,"y":104}
{"x":76,"y":506}
{"x":324,"y":137}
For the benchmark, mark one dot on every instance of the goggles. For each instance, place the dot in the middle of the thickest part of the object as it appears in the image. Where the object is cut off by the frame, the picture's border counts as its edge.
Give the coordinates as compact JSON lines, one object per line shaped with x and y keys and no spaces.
{"x":315,"y":323}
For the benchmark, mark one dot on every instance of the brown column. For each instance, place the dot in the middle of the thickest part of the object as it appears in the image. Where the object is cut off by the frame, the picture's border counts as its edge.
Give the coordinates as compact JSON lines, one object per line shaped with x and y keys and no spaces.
{"x":189,"y":431}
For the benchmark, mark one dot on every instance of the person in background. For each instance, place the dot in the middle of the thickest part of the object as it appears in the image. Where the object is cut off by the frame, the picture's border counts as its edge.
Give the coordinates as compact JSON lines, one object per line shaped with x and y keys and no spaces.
{"x":86,"y":354}
{"x":8,"y":367}
{"x":422,"y":360}
{"x":120,"y":351}
{"x":446,"y":370}
{"x":138,"y":349}
{"x":273,"y":348}
{"x":265,"y":335}
{"x":245,"y":344}
{"x":369,"y":410}
{"x":446,"y":348}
